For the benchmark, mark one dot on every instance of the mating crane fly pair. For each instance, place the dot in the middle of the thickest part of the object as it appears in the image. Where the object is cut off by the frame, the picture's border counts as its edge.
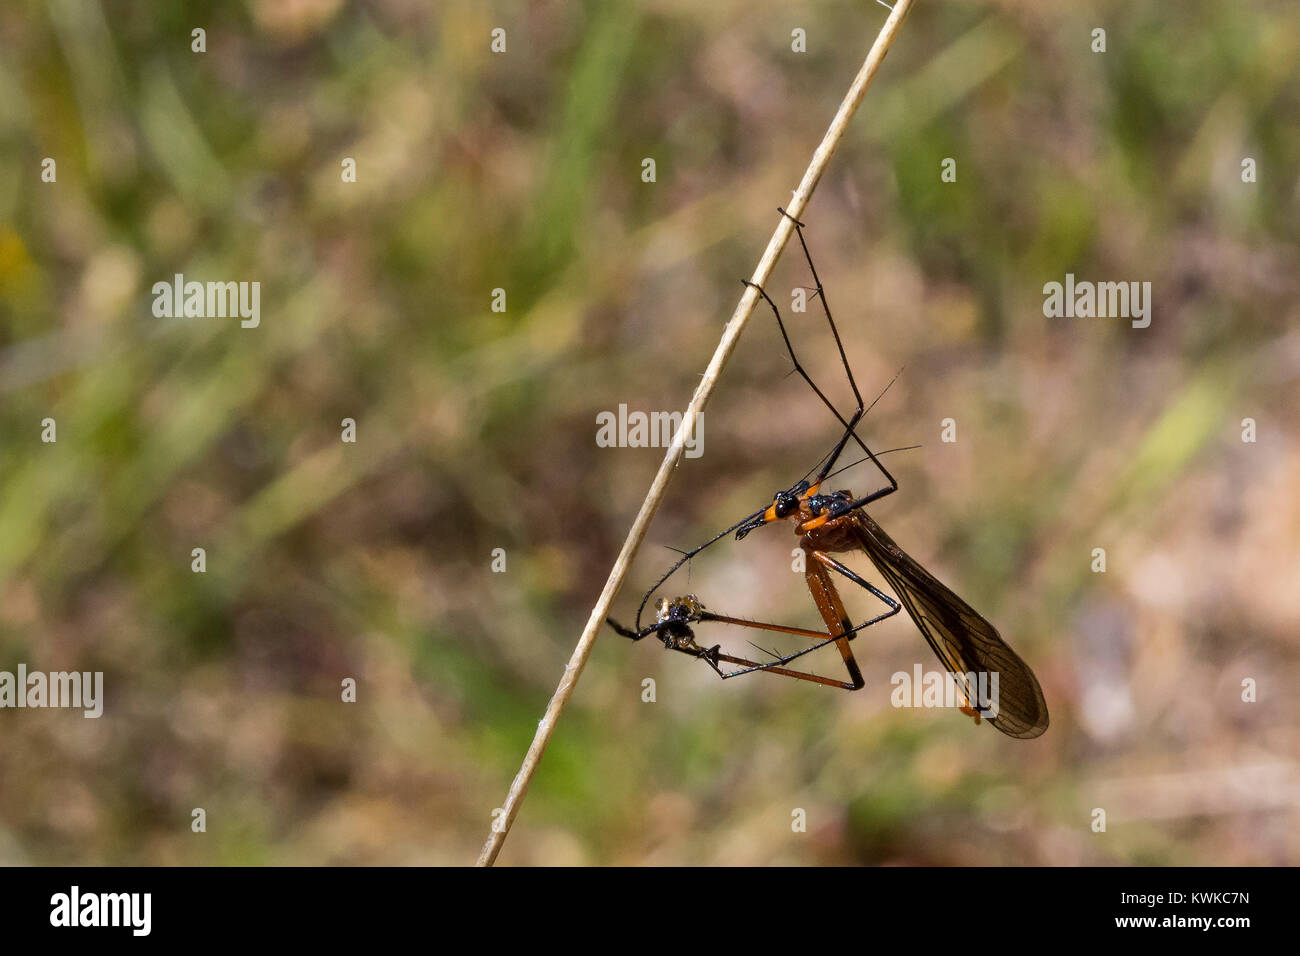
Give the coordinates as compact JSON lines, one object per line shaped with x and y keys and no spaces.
{"x":836,"y":522}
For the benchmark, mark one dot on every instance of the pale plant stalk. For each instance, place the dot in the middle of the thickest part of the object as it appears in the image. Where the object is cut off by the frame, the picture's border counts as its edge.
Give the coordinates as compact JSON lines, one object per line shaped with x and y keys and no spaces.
{"x":503,"y":819}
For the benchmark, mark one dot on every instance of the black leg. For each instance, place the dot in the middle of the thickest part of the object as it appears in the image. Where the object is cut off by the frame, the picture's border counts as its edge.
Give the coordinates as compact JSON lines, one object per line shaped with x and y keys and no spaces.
{"x":628,"y":632}
{"x":894,"y":606}
{"x":848,"y":371}
{"x":851,"y":423}
{"x":777,"y":666}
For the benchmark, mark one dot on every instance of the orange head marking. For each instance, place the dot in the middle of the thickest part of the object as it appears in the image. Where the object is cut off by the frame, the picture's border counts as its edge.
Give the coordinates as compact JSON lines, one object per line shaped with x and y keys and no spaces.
{"x":785,"y":504}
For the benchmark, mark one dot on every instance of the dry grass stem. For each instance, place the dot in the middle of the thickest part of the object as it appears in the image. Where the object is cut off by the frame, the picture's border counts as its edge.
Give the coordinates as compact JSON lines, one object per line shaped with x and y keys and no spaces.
{"x":820,"y":160}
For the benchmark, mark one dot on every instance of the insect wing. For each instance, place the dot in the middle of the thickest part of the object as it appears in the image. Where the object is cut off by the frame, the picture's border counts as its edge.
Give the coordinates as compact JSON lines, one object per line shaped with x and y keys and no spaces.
{"x":964,"y":641}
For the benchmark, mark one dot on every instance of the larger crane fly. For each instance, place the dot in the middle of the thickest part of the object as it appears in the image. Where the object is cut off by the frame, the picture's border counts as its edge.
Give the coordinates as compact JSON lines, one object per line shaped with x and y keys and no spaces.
{"x":828,"y":523}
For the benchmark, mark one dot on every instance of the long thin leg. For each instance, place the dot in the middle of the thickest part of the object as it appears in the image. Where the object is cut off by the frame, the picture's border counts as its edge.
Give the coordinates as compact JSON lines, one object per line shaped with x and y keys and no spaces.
{"x":764,"y":626}
{"x":848,"y":506}
{"x":848,"y":371}
{"x":968,"y":709}
{"x":798,"y":367}
{"x":839,"y":628}
{"x":628,"y":632}
{"x":850,"y":424}
{"x":751,"y":667}
{"x":778,"y":666}
{"x":894,"y":606}
{"x":712,"y":655}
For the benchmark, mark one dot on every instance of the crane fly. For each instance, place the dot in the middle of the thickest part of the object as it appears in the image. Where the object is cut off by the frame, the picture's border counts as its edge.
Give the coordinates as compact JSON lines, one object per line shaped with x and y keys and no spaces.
{"x":828,"y":523}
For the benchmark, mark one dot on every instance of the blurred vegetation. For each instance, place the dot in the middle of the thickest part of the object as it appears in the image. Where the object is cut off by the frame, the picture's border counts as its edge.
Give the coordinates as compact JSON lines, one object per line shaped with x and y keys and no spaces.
{"x":476,"y":429}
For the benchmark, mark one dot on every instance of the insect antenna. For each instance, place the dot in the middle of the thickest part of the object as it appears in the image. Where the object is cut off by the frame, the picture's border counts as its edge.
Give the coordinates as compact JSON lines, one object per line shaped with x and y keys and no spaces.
{"x":686,"y":556}
{"x":860,"y":461}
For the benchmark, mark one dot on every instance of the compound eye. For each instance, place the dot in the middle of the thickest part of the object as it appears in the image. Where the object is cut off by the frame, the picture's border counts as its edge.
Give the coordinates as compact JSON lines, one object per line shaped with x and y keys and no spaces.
{"x":785,"y":506}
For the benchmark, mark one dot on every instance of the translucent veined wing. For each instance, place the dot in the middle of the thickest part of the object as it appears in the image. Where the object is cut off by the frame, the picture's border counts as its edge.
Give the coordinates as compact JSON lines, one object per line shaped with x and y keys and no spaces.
{"x":965,"y":642}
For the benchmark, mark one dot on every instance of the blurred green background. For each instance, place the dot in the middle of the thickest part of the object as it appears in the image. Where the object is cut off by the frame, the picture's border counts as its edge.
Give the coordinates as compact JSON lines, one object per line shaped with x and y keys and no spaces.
{"x":476,"y":430}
